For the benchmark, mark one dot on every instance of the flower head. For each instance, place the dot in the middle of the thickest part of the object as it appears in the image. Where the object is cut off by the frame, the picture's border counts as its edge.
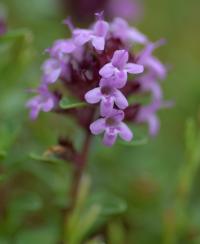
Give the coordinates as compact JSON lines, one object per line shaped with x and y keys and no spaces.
{"x":93,"y":66}
{"x":112,"y":126}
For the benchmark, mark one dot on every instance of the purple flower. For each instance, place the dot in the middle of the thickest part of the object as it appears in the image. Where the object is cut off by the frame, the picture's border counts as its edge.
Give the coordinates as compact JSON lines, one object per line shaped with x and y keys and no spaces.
{"x":96,"y":35}
{"x":44,"y":101}
{"x":147,"y":114}
{"x":108,"y":94}
{"x":61,"y":48}
{"x":120,"y":29}
{"x":148,"y":83}
{"x":113,"y":126}
{"x":152,"y":63}
{"x":78,"y":54}
{"x":119,"y":67}
{"x":57,"y":65}
{"x":100,"y":76}
{"x":52,"y":69}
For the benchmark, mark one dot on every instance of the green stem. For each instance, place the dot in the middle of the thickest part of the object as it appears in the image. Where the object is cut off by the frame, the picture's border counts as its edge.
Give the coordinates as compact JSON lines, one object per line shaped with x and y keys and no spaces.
{"x":79,"y":168}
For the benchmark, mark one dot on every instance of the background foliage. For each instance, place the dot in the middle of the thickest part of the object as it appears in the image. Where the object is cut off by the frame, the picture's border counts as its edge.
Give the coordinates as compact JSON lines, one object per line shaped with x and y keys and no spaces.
{"x":144,"y":194}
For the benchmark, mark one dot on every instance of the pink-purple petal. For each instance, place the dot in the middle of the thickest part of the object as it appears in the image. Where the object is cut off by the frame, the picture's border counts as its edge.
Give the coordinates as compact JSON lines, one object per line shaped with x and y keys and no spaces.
{"x":136,"y":36}
{"x":120,"y":58}
{"x":98,"y":126}
{"x":93,"y":96}
{"x":154,"y":125}
{"x":146,"y":52}
{"x":101,"y":28}
{"x":33,"y":102}
{"x":52,"y":70}
{"x":34,"y":112}
{"x":117,"y":115}
{"x":62,"y":47}
{"x":98,"y":43}
{"x":81,"y":36}
{"x":148,"y":83}
{"x":134,"y":68}
{"x":107,"y":70}
{"x":105,"y":82}
{"x":120,"y":100}
{"x":125,"y":133}
{"x":109,"y":139}
{"x":48,"y":104}
{"x":156,"y":91}
{"x":78,"y":53}
{"x":157,"y":67}
{"x":106,"y":106}
{"x":120,"y":78}
{"x":119,"y":28}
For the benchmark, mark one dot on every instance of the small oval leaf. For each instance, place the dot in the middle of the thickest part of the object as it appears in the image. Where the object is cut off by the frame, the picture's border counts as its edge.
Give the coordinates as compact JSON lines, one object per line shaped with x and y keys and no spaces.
{"x":110,"y":204}
{"x":45,"y":159}
{"x":67,"y":103}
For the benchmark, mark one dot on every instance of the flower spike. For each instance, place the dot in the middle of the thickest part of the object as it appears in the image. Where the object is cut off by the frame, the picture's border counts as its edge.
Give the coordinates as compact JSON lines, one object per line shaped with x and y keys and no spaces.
{"x":98,"y":66}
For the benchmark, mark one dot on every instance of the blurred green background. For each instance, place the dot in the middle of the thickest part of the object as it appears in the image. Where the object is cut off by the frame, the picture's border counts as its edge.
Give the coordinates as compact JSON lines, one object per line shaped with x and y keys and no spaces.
{"x":159,"y":181}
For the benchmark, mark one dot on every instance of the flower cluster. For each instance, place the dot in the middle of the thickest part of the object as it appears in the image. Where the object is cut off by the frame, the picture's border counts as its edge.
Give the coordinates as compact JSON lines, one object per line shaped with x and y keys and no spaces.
{"x":98,"y":65}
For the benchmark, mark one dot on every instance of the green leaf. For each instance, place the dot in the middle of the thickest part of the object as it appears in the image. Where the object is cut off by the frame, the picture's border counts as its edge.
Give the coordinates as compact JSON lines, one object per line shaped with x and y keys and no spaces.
{"x":84,"y":225}
{"x":190,"y":135}
{"x":107,"y":205}
{"x":3,"y":178}
{"x":110,"y":204}
{"x":72,"y":233}
{"x":68,"y":103}
{"x":27,"y":202}
{"x":42,"y":234}
{"x":9,"y":130}
{"x":2,"y":155}
{"x":116,"y":232}
{"x":45,"y":159}
{"x":96,"y":240}
{"x":16,"y":34}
